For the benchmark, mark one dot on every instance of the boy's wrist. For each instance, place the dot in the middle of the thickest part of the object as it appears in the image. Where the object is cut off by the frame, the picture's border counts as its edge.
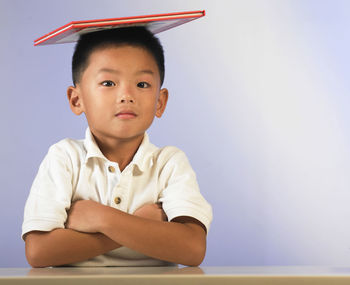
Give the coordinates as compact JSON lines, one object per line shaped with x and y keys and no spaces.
{"x":107,"y":218}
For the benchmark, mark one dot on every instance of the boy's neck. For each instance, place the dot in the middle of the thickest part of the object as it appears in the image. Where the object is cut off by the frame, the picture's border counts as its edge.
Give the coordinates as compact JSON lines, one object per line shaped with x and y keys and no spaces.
{"x":119,"y":150}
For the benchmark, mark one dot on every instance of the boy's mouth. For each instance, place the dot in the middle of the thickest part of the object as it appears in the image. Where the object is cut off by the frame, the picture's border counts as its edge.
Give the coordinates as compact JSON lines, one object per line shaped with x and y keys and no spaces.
{"x":125,"y":115}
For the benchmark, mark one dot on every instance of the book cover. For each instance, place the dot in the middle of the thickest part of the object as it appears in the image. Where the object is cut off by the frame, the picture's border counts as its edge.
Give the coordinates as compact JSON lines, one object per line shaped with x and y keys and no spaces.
{"x":155,"y":23}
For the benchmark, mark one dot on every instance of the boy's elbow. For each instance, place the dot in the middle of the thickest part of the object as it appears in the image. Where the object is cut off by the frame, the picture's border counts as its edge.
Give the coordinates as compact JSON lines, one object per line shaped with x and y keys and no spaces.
{"x":33,"y":257}
{"x":195,"y":250}
{"x":195,"y":243}
{"x":34,"y":251}
{"x":197,"y":254}
{"x":34,"y":261}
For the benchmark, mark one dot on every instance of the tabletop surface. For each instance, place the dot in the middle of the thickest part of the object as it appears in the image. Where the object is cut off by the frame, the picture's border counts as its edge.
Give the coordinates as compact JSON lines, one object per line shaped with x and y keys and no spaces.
{"x":178,"y":275}
{"x":209,"y":271}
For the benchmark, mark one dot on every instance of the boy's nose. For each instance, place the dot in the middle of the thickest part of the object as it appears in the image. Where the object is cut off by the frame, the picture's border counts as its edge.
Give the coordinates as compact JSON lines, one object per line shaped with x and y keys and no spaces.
{"x":125,"y":95}
{"x":127,"y":100}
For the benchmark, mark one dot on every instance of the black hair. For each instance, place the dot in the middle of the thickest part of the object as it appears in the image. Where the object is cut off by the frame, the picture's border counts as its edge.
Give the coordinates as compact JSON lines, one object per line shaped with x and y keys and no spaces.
{"x":133,"y":36}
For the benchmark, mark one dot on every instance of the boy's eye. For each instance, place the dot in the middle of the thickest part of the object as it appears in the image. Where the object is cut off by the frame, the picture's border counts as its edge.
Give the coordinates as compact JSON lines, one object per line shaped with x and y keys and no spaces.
{"x":143,"y":85}
{"x":108,"y":83}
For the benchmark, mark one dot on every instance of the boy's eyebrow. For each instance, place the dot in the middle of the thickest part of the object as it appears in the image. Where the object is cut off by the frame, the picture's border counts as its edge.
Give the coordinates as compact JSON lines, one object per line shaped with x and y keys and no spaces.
{"x":148,"y":71}
{"x":109,"y":70}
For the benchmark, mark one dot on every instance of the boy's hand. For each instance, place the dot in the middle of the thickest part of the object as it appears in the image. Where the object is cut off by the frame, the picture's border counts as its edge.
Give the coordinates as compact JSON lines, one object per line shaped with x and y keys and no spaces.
{"x":85,"y":216}
{"x":152,"y":211}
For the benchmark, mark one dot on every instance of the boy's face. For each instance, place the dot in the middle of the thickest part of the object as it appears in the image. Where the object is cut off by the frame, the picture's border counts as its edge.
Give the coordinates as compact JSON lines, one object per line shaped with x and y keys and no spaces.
{"x":119,"y":92}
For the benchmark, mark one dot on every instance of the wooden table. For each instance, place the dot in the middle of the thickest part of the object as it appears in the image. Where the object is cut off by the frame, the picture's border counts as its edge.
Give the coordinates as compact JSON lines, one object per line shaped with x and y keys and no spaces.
{"x":176,"y":275}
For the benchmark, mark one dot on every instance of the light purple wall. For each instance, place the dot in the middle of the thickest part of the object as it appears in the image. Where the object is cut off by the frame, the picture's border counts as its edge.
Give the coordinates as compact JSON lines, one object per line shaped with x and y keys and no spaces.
{"x":259,"y":102}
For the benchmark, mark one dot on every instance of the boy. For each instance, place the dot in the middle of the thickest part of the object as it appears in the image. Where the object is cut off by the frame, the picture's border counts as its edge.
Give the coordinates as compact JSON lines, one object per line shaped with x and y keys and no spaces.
{"x":114,"y":199}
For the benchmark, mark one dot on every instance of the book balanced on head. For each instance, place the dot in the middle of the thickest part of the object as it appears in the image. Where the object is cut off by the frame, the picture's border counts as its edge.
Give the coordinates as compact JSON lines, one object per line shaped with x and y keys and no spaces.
{"x":155,"y":23}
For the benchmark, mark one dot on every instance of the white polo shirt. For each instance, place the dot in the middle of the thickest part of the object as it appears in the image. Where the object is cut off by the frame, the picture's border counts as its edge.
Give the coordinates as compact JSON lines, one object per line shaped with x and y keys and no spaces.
{"x":76,"y":169}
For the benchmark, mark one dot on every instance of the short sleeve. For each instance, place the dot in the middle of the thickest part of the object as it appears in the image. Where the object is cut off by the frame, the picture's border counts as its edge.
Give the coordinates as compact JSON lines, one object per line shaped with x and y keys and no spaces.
{"x":181,"y":195}
{"x":50,"y":195}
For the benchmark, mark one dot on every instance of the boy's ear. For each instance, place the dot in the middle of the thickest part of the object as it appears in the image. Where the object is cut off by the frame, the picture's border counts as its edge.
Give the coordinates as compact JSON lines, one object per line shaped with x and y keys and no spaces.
{"x":75,"y":101}
{"x":162,"y":100}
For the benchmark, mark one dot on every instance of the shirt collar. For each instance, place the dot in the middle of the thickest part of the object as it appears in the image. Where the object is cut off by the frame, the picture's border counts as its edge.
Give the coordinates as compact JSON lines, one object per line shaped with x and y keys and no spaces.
{"x":141,"y":159}
{"x":92,"y":149}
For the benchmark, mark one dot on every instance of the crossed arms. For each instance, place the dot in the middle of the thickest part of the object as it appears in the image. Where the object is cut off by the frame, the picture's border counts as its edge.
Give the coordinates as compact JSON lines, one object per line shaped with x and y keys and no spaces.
{"x":93,"y":229}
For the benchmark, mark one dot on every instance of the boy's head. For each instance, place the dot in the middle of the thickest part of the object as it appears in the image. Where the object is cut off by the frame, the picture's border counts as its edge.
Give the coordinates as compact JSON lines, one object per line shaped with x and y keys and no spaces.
{"x":130,"y":36}
{"x":117,"y":78}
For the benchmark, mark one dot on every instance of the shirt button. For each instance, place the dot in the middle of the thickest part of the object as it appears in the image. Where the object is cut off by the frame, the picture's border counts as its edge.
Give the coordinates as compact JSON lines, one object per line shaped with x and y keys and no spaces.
{"x":111,"y":169}
{"x":117,"y":200}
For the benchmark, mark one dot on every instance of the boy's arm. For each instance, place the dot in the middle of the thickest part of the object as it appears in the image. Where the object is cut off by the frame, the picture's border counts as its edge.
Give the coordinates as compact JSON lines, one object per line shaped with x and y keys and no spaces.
{"x":64,"y":246}
{"x":181,"y":241}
